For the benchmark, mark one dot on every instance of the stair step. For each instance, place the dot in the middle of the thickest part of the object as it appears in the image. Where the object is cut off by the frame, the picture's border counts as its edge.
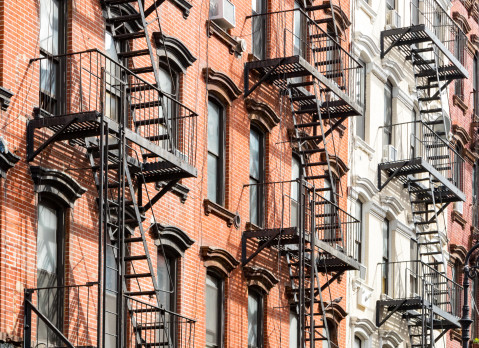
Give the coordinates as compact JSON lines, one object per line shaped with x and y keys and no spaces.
{"x":430,"y":111}
{"x":318,"y":7}
{"x":328,"y":62}
{"x":430,"y":253}
{"x":436,"y":146}
{"x":129,"y":36}
{"x":432,"y":85}
{"x":429,"y":243}
{"x":422,"y":50}
{"x":144,"y":105}
{"x":423,"y":211}
{"x":137,"y":275}
{"x":142,"y":70}
{"x":316,"y":164}
{"x":333,"y":75}
{"x":303,"y":97}
{"x":323,"y":20}
{"x":310,"y":151}
{"x":151,"y":121}
{"x":158,"y":137}
{"x":118,"y":2}
{"x":140,"y":293}
{"x":142,"y":87}
{"x":424,"y":222}
{"x":424,"y":62}
{"x":443,"y":167}
{"x":135,"y":257}
{"x":96,"y":148}
{"x":307,"y":124}
{"x":314,"y":177}
{"x":324,"y":48}
{"x":124,"y":19}
{"x":324,"y":189}
{"x":427,"y":99}
{"x":434,"y":135}
{"x":319,"y":36}
{"x":433,"y":123}
{"x":301,"y":84}
{"x":435,"y":158}
{"x":133,"y":240}
{"x":135,"y":53}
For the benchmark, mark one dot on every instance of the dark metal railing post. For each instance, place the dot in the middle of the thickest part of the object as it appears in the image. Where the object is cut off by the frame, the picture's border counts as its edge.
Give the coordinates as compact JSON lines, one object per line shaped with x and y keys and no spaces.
{"x":469,"y":273}
{"x":27,"y":321}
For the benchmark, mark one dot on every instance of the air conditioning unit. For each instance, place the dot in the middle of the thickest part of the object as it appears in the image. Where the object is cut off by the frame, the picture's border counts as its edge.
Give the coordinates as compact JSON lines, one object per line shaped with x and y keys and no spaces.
{"x":459,"y":207}
{"x":393,"y":19}
{"x":222,"y":12}
{"x":389,"y":153}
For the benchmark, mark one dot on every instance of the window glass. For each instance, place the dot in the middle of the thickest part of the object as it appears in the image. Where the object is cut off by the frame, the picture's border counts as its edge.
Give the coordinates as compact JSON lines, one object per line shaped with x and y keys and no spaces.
{"x":295,"y":188}
{"x":388,"y":116}
{"x":255,"y":317}
{"x":111,"y":298}
{"x":357,"y":342}
{"x":293,"y":330}
{"x":385,"y":260}
{"x":213,"y":310}
{"x":49,"y":20}
{"x":215,"y":152}
{"x":358,"y":214}
{"x":259,"y":29}
{"x":256,"y":176}
{"x":390,"y":4}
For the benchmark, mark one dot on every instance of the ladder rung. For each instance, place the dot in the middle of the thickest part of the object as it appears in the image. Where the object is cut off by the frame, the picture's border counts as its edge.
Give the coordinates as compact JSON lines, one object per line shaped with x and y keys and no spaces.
{"x":423,"y":211}
{"x":309,"y":151}
{"x":430,"y":111}
{"x":328,"y":62}
{"x":303,"y":97}
{"x":129,"y":36}
{"x":140,"y":87}
{"x":426,"y":99}
{"x":151,"y":121}
{"x":426,"y":233}
{"x":431,"y":253}
{"x":315,"y":164}
{"x":301,"y":84}
{"x":158,"y":137}
{"x":323,"y":20}
{"x":432,"y":85}
{"x":429,"y":243}
{"x":424,"y":62}
{"x":324,"y":48}
{"x":318,"y":7}
{"x":150,"y":104}
{"x":313,"y":177}
{"x":133,"y":240}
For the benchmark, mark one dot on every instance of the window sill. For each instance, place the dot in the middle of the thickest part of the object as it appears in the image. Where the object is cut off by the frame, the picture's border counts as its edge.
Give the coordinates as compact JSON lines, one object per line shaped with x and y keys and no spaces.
{"x":457,"y":101}
{"x":457,"y":216}
{"x":223,"y":213}
{"x":455,"y":335}
{"x":233,"y":44}
{"x":180,"y":190}
{"x":364,"y":146}
{"x":251,"y":227}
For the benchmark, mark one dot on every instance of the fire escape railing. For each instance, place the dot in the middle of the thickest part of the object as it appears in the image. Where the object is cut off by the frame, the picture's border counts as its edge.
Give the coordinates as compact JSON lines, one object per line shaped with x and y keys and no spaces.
{"x":416,"y":139}
{"x":90,"y":81}
{"x":434,"y":17}
{"x":417,"y":280}
{"x":161,"y":326}
{"x":62,"y":316}
{"x":281,"y":210}
{"x":291,"y":36}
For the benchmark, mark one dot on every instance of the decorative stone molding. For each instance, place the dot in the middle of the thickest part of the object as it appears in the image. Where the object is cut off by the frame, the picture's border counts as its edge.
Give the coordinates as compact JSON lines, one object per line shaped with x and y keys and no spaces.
{"x":7,"y":161}
{"x":338,"y":167}
{"x":178,"y":189}
{"x":457,"y":101}
{"x":184,"y":5}
{"x":5,"y":96}
{"x":342,"y":19}
{"x":57,"y":183}
{"x":335,"y":312}
{"x":456,"y":335}
{"x":461,"y":135}
{"x":262,"y":113}
{"x":393,"y":70}
{"x":403,"y":229}
{"x":365,"y":325}
{"x":260,"y":277}
{"x":233,"y":44}
{"x":364,"y":44}
{"x":378,"y":71}
{"x":221,"y":84}
{"x":219,"y":259}
{"x":364,"y":146}
{"x":173,"y":238}
{"x":461,"y":21}
{"x":363,"y":5}
{"x":391,"y":204}
{"x":458,"y":253}
{"x":175,"y":50}
{"x":390,"y":337}
{"x":218,"y":210}
{"x":377,"y":211}
{"x":365,"y":186}
{"x":470,"y":156}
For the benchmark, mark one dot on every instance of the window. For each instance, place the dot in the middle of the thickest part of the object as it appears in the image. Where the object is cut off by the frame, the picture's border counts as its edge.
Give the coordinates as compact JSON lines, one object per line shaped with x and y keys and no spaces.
{"x":256,"y":176}
{"x":458,"y":166}
{"x":111,"y":298}
{"x":216,"y":150}
{"x":358,"y":238}
{"x":357,"y":342}
{"x":299,"y":31}
{"x":414,"y":257}
{"x":475,"y":85}
{"x":255,"y":319}
{"x":50,"y":249}
{"x":259,"y":29}
{"x":293,"y":330}
{"x":360,"y":98}
{"x":330,"y":212}
{"x":295,"y":189}
{"x":388,"y":114}
{"x":415,"y":12}
{"x":113,"y":79}
{"x":385,"y":260}
{"x":390,"y":4}
{"x":214,"y":310}
{"x":169,"y":83}
{"x":456,"y":277}
{"x":52,"y":44}
{"x":167,"y":272}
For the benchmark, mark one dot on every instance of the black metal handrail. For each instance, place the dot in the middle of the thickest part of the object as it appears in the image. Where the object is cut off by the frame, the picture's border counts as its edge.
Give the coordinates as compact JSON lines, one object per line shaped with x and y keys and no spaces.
{"x":416,"y":139}
{"x":158,"y":327}
{"x":60,"y":316}
{"x":287,"y":205}
{"x":91,"y":81}
{"x":417,"y":280}
{"x":431,"y":14}
{"x":319,"y":48}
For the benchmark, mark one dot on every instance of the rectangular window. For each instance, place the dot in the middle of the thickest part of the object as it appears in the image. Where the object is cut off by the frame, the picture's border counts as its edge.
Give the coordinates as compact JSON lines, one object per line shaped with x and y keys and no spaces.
{"x":330,"y":225}
{"x":216,"y":151}
{"x":214,"y":310}
{"x":415,"y":12}
{"x":360,"y":86}
{"x":52,"y":43}
{"x":111,"y":298}
{"x":167,"y":266}
{"x":358,"y":235}
{"x":259,"y":29}
{"x":50,"y":248}
{"x":385,"y":259}
{"x":255,"y":319}
{"x":388,"y":114}
{"x":293,"y":330}
{"x":299,"y":31}
{"x":414,"y":266}
{"x":256,"y":176}
{"x":295,"y":190}
{"x":475,"y":86}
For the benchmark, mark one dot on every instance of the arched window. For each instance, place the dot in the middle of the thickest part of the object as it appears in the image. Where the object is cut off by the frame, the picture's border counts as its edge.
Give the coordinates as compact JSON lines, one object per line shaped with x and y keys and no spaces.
{"x":358,"y":343}
{"x":256,"y":175}
{"x":255,"y":318}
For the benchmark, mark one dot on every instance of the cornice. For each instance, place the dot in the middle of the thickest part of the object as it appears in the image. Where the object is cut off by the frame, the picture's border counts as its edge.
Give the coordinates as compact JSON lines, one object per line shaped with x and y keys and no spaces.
{"x":365,"y":325}
{"x":377,"y":211}
{"x":233,"y":45}
{"x":458,"y":252}
{"x":174,"y":49}
{"x":220,"y":211}
{"x":223,"y":85}
{"x":262,"y":113}
{"x":392,"y":204}
{"x":378,"y":71}
{"x":461,"y":21}
{"x":394,"y":70}
{"x":173,"y":238}
{"x":461,"y":134}
{"x":260,"y":277}
{"x":365,"y":186}
{"x":457,"y":217}
{"x":219,"y":259}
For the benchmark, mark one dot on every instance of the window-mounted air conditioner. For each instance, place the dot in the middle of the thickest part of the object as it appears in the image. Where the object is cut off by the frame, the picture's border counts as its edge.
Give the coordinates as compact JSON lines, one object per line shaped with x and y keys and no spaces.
{"x":393,"y":19}
{"x":389,"y":153}
{"x":222,"y":12}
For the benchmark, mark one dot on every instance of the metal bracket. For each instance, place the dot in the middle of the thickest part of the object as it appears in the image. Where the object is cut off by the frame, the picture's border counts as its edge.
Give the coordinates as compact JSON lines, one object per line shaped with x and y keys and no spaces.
{"x":247,"y":91}
{"x":379,"y":324}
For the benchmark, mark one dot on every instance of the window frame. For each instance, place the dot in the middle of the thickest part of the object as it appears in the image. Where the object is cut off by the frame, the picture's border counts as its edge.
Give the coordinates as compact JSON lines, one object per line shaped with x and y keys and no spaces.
{"x":260,"y":204}
{"x":263,"y":27}
{"x":361,"y":96}
{"x":475,"y":85}
{"x":388,"y":118}
{"x":221,"y":157}
{"x":221,"y":308}
{"x":386,"y":232}
{"x":358,"y":239}
{"x":55,"y":103}
{"x":259,"y":296}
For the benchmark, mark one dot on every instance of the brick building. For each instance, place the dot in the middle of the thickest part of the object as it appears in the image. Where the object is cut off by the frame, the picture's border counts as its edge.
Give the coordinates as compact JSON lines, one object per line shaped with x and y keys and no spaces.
{"x":170,"y":179}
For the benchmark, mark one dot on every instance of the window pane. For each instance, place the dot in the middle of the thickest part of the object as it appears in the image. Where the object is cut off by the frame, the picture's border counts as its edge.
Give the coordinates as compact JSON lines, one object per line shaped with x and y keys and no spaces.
{"x":357,"y":342}
{"x":47,"y":239}
{"x":293,"y":330}
{"x":254,"y":154}
{"x":387,"y":114}
{"x":253,"y":313}
{"x":295,"y":171}
{"x":212,"y":310}
{"x":166,"y":82}
{"x":48,"y":74}
{"x":213,"y":178}
{"x":214,"y":135}
{"x":298,"y":31}
{"x":49,"y":26}
{"x":253,"y":203}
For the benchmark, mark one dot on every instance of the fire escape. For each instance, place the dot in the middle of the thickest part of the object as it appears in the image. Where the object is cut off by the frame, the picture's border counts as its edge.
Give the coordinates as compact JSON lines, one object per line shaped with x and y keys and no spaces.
{"x":430,"y":169}
{"x":303,"y":219}
{"x":133,"y":134}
